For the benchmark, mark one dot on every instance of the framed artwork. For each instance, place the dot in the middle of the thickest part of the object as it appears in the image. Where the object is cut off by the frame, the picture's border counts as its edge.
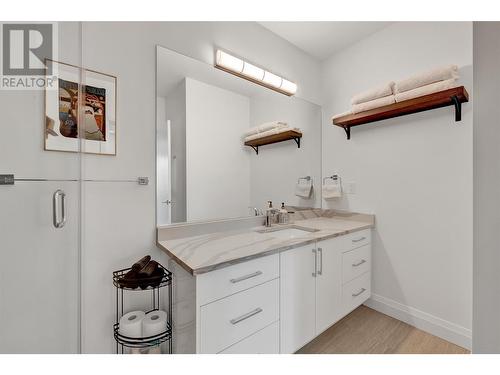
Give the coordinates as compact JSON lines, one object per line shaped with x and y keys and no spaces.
{"x":96,"y":134}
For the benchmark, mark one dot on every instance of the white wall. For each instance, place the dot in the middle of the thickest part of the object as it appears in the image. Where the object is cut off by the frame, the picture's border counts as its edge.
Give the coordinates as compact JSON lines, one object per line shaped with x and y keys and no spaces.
{"x":486,"y":323}
{"x":120,"y":217}
{"x":275,"y":170}
{"x":217,"y":168}
{"x":413,"y":172}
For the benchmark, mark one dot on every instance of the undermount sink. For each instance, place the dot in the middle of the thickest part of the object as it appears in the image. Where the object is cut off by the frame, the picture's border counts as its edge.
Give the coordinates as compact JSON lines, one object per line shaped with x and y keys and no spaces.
{"x":287,"y":233}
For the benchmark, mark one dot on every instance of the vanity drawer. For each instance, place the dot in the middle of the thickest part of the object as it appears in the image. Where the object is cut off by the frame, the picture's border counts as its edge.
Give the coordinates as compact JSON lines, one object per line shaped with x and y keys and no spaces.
{"x":226,"y":281}
{"x":355,"y":292}
{"x":355,"y":263}
{"x":229,"y":320}
{"x":354,"y":240}
{"x":266,"y":341}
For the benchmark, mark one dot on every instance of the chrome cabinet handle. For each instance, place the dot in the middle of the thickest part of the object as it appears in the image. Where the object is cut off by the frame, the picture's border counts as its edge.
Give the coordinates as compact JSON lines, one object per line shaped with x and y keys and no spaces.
{"x":320,"y":253}
{"x":359,"y":263}
{"x":359,"y":293}
{"x":315,"y":262}
{"x":168,"y":201}
{"x":55,"y":209}
{"x":246,"y":316}
{"x":246,"y":277}
{"x":359,"y":239}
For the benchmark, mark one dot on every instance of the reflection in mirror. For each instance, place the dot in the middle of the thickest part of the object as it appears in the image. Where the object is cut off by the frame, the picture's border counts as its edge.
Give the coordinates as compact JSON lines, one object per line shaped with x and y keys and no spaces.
{"x":204,"y":170}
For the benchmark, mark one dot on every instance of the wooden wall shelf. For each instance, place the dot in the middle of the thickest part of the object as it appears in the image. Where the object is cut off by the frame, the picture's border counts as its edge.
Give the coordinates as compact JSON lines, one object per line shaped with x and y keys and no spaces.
{"x":455,"y":96}
{"x":274,"y":138}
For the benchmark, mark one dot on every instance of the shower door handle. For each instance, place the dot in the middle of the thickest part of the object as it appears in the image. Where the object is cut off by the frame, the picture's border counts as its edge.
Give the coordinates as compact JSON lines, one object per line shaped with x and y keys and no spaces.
{"x":58,"y":209}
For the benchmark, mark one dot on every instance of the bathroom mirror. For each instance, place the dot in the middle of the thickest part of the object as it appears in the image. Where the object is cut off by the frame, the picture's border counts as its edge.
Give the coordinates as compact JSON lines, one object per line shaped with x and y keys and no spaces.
{"x":204,"y":170}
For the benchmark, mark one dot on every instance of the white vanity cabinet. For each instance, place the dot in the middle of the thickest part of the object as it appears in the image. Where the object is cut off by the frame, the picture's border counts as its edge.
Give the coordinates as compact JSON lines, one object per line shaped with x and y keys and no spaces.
{"x":321,"y":283}
{"x":272,"y":304}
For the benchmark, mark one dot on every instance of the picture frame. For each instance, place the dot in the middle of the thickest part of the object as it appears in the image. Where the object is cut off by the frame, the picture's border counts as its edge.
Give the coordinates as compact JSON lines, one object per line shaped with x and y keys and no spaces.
{"x":97,"y":133}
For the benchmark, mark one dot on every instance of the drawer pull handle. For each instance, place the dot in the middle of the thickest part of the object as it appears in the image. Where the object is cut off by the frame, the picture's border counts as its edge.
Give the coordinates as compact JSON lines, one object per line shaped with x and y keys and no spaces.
{"x":358,"y":239}
{"x":246,"y":316}
{"x":359,"y":263}
{"x":246,"y":277}
{"x":359,"y":293}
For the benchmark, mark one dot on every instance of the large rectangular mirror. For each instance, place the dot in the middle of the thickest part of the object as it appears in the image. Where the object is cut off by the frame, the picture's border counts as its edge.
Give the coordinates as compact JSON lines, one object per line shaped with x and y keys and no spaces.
{"x":204,"y":170}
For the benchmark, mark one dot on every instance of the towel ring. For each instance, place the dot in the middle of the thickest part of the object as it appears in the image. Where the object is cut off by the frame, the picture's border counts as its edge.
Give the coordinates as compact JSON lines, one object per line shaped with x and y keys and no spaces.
{"x":307,"y":178}
{"x":334,"y":177}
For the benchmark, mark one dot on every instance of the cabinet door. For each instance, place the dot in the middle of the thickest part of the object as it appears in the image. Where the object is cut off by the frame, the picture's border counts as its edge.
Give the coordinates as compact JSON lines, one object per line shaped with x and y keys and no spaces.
{"x":297,"y":297}
{"x":328,"y":284}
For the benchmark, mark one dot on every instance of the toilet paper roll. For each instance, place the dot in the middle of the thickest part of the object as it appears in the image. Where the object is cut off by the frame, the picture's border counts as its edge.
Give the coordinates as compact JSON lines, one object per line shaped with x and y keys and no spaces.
{"x":154,"y":323}
{"x":131,"y":324}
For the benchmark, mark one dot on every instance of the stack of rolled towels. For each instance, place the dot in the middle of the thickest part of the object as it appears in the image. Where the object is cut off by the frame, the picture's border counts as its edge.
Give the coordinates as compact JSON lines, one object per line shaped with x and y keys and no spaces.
{"x":435,"y":80}
{"x":267,"y":129}
{"x":432,"y":81}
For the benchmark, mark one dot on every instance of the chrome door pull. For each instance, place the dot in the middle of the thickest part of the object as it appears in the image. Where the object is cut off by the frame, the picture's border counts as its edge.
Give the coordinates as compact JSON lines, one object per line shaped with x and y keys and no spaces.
{"x":55,"y":209}
{"x":359,"y":263}
{"x":246,"y":316}
{"x":359,"y":239}
{"x":168,"y":201}
{"x":246,"y":277}
{"x":359,"y":293}
{"x":315,"y":262}
{"x":320,"y":253}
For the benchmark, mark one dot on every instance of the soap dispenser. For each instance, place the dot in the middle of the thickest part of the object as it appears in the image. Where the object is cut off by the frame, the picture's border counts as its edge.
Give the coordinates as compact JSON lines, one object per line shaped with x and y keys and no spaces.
{"x":269,"y":213}
{"x":283,"y":214}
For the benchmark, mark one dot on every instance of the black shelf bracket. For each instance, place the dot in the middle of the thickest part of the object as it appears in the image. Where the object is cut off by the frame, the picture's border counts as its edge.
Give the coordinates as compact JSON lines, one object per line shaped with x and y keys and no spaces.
{"x":458,"y":108}
{"x":256,"y":149}
{"x":297,"y":140}
{"x":347,"y":131}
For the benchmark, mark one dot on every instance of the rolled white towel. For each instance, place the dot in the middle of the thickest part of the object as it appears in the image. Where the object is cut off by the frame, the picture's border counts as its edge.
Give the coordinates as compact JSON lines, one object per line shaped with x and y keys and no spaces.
{"x":380,"y":102}
{"x":435,"y":75}
{"x":375,"y":93}
{"x":265,"y":127}
{"x":349,"y":112}
{"x":426,"y":90}
{"x":270,"y":132}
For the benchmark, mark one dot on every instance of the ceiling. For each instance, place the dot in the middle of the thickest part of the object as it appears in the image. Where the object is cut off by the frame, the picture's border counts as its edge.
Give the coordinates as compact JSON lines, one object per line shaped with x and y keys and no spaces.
{"x":322,"y":39}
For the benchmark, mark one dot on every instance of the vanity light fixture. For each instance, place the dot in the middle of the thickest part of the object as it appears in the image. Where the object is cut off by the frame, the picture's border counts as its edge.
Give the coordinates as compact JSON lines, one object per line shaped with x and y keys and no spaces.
{"x":243,"y":69}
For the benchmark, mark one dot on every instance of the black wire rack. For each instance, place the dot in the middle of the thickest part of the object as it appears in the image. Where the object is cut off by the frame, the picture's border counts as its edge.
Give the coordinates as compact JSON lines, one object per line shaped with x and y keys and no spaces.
{"x":153,"y":285}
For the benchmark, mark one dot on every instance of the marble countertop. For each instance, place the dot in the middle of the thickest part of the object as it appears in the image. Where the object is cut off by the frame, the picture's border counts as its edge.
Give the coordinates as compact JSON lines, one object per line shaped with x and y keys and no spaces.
{"x":207,"y":252}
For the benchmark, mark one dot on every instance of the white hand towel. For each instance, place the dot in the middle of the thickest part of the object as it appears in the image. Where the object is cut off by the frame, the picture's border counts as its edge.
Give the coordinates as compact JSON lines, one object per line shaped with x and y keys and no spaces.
{"x":375,"y":93}
{"x":270,"y":132}
{"x":334,"y":117}
{"x":380,"y":102}
{"x":265,"y":127}
{"x":331,"y":191}
{"x":426,"y":90}
{"x":418,"y":80}
{"x":303,"y":189}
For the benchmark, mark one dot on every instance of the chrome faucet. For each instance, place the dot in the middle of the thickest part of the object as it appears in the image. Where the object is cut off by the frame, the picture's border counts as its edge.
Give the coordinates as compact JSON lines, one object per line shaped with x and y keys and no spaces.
{"x":256,"y":211}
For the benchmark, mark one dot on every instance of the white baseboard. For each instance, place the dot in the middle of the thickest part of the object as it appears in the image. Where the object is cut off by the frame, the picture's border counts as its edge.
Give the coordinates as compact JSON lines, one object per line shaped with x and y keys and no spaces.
{"x":448,"y":331}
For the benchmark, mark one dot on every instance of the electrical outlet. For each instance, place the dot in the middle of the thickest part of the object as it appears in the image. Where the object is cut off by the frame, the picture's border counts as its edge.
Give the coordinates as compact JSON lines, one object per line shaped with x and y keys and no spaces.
{"x":351,"y":188}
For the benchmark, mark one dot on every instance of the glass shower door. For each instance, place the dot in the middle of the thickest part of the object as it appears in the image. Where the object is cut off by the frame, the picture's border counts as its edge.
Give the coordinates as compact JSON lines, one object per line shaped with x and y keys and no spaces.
{"x":40,"y":215}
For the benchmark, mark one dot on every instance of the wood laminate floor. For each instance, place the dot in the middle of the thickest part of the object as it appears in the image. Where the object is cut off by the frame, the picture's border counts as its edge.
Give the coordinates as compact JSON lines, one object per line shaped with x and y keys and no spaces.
{"x":366,"y":331}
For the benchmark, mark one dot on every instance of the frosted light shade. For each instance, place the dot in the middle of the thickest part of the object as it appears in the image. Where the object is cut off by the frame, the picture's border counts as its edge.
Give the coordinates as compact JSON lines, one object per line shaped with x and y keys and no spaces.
{"x":288,"y":86}
{"x":272,"y":79}
{"x":253,"y":71}
{"x":229,"y":62}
